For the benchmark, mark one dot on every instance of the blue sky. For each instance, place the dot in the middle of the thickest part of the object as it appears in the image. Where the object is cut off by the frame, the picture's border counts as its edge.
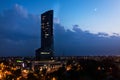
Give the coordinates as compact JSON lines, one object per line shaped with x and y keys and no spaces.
{"x":82,"y":27}
{"x":93,"y":15}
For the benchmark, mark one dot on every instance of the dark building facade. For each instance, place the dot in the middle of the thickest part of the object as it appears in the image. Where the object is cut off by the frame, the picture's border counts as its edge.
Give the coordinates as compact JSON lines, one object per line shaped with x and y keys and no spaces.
{"x":47,"y":41}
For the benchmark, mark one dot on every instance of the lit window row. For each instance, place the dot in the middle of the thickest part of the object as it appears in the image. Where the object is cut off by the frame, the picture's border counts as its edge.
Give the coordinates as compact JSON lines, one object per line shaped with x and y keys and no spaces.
{"x":43,"y":17}
{"x":46,"y":35}
{"x":45,"y":53}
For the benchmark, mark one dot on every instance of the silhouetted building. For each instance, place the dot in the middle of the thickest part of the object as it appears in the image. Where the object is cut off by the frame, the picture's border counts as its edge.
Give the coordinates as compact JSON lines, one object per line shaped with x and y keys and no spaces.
{"x":47,"y":42}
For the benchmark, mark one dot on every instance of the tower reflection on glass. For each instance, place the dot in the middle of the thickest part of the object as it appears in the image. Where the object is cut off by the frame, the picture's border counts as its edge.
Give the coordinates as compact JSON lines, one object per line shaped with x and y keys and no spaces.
{"x":47,"y":42}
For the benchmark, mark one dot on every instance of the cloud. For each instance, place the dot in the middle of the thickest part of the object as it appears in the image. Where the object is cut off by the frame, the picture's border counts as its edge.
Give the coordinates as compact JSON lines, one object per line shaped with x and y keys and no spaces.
{"x":56,"y":20}
{"x":79,"y":42}
{"x":18,"y":31}
{"x":21,"y":10}
{"x":20,"y":36}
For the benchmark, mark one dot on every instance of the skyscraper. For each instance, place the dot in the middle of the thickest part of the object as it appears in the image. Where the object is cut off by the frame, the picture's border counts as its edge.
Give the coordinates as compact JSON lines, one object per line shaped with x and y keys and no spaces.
{"x":47,"y":43}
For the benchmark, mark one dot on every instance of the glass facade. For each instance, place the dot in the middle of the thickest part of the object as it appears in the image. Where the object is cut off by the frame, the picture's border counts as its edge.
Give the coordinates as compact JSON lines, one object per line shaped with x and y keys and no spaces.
{"x":47,"y":41}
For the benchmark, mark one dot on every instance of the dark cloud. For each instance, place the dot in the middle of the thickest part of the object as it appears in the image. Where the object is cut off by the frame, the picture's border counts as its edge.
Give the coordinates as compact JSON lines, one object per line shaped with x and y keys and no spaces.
{"x":20,"y":36}
{"x":79,"y":42}
{"x":19,"y":32}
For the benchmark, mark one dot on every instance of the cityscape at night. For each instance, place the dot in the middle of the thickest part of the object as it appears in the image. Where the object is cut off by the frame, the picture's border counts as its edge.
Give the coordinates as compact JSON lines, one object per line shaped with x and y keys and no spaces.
{"x":59,"y":40}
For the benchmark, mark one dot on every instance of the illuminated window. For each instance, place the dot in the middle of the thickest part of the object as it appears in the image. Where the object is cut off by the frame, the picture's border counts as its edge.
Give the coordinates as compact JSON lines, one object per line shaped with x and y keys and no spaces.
{"x":47,"y":22}
{"x":47,"y":34}
{"x":43,"y":27}
{"x":43,"y":17}
{"x":45,"y":53}
{"x":99,"y":68}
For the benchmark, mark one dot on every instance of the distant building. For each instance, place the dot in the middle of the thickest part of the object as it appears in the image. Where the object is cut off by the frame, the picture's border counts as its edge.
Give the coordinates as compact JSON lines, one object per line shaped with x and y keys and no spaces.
{"x":47,"y":43}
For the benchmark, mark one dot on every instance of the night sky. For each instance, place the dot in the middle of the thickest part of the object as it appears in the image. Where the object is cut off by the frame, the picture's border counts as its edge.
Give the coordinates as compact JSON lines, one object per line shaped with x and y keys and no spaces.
{"x":81,"y":27}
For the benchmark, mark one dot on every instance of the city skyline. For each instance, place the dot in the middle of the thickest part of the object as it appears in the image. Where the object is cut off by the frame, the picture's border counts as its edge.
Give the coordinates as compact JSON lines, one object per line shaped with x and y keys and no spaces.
{"x":81,"y":27}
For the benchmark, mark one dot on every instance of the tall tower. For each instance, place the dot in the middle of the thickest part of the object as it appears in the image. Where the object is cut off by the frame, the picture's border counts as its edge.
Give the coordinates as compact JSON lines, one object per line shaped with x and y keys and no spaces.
{"x":47,"y":43}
